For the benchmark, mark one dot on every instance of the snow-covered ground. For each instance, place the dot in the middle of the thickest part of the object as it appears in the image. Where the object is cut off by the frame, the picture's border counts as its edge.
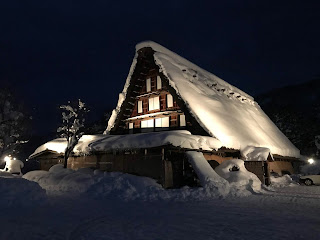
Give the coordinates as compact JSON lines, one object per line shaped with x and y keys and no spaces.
{"x":122,"y":206}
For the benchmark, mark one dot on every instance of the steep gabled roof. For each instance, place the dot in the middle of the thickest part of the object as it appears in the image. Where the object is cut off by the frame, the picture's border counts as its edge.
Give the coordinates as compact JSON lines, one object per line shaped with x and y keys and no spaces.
{"x":222,"y":110}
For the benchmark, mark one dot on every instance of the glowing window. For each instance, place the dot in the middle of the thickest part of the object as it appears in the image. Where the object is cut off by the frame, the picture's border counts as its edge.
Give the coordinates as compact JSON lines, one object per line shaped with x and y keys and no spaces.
{"x":154,"y":103}
{"x":148,"y":83}
{"x":169,"y":100}
{"x":140,"y":110}
{"x":159,"y":84}
{"x":182,"y":120}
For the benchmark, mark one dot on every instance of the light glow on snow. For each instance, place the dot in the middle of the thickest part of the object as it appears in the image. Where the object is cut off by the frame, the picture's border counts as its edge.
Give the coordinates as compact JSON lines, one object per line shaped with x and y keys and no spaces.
{"x":310,"y":161}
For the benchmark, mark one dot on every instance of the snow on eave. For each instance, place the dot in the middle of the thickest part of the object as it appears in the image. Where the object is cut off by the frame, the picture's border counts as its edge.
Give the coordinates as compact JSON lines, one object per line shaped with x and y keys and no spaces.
{"x":35,"y":155}
{"x":59,"y":145}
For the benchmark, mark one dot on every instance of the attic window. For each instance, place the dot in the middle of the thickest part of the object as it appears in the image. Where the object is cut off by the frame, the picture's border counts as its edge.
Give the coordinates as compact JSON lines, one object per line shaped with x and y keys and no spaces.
{"x":159,"y":84}
{"x":154,"y":103}
{"x":148,"y":84}
{"x":140,"y":110}
{"x":169,"y":100}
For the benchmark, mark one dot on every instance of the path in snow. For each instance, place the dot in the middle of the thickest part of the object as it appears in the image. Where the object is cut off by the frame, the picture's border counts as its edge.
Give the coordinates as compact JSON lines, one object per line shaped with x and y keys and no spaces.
{"x":289,"y":213}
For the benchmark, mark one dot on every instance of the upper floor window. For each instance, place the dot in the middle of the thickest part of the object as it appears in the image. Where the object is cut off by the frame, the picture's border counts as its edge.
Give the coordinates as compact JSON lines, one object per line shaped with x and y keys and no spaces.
{"x":140,"y":109}
{"x":154,"y":103}
{"x":159,"y":84}
{"x":148,"y":84}
{"x":169,"y":100}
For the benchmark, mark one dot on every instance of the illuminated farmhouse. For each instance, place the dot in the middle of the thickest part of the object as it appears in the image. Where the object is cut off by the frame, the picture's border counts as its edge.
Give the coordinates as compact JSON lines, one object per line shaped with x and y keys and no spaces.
{"x":170,"y":106}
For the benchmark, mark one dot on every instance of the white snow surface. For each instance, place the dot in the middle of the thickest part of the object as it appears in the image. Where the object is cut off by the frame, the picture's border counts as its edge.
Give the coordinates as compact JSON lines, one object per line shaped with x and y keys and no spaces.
{"x":243,"y":180}
{"x":251,"y":153}
{"x":224,"y":111}
{"x":123,"y":206}
{"x":96,"y":143}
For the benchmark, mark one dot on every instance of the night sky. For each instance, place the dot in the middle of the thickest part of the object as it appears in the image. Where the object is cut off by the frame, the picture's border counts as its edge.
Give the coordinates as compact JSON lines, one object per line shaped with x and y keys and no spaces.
{"x":55,"y":51}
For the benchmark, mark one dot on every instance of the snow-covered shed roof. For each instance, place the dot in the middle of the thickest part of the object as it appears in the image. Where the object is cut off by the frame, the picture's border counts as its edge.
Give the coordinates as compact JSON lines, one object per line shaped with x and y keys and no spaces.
{"x":102,"y":143}
{"x":224,"y":111}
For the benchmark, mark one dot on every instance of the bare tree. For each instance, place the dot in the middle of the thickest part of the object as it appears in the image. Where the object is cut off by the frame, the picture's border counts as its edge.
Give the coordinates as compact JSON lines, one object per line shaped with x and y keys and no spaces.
{"x":73,"y":118}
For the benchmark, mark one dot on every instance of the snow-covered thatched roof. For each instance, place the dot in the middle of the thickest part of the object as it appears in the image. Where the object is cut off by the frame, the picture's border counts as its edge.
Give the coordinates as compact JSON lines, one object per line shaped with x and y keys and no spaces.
{"x":225,"y":112}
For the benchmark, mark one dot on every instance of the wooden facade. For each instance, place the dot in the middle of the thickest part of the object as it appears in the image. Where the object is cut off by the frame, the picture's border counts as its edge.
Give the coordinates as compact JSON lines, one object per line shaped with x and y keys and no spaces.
{"x":143,"y":88}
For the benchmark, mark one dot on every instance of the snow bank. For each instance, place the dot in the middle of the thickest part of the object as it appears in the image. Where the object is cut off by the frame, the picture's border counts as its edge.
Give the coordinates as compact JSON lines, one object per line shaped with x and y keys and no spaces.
{"x":240,"y":179}
{"x":58,"y":180}
{"x":224,"y":111}
{"x":283,"y":181}
{"x":17,"y":192}
{"x":125,"y":187}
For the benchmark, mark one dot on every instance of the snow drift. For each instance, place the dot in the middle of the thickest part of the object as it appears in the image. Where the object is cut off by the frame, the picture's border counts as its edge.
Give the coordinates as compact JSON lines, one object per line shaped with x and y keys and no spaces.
{"x":239,"y":178}
{"x":16,"y":191}
{"x":58,"y":180}
{"x":126,"y":187}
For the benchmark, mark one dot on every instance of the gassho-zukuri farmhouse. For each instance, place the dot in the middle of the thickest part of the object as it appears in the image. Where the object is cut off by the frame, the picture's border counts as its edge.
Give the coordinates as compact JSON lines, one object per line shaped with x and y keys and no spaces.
{"x":169,"y":107}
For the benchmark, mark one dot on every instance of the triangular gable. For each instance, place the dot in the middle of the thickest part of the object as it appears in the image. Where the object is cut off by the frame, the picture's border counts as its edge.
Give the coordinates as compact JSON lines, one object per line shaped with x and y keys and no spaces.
{"x":222,"y":110}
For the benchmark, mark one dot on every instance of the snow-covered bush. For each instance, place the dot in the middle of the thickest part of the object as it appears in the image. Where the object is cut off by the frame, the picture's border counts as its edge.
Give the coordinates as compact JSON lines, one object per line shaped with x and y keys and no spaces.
{"x":240,"y":179}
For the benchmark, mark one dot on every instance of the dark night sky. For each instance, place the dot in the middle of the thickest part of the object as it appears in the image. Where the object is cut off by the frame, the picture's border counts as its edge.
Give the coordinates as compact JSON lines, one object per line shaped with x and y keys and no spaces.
{"x":54,"y":51}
